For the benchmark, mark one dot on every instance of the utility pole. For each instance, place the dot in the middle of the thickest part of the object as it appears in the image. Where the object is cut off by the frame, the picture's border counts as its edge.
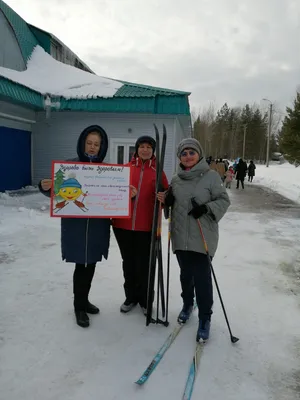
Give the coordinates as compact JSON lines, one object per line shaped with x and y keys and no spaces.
{"x":244,"y":142}
{"x":269,"y":135}
{"x":269,"y":132}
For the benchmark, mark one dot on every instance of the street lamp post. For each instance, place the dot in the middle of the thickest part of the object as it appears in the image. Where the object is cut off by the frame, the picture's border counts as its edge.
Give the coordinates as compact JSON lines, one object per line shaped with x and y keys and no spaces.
{"x":269,"y":132}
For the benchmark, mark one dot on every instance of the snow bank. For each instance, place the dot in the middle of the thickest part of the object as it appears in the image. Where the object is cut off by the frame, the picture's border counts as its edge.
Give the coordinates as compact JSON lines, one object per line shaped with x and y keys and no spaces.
{"x":283,"y":179}
{"x":23,"y":200}
{"x":48,"y":76}
{"x":24,"y":190}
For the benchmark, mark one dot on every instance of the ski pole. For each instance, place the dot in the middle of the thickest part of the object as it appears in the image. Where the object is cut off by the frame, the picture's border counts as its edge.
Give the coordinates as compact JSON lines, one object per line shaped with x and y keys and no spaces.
{"x":160,"y":276}
{"x":232,"y":338}
{"x":158,"y":287}
{"x":168,"y":265}
{"x":153,"y":246}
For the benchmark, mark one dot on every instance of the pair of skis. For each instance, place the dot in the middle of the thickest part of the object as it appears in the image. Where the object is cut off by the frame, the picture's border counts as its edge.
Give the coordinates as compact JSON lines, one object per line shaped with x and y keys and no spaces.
{"x":189,"y":386}
{"x":156,"y":244}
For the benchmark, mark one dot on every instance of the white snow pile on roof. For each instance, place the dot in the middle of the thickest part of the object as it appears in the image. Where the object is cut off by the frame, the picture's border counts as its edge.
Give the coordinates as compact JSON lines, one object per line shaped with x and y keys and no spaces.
{"x":48,"y":76}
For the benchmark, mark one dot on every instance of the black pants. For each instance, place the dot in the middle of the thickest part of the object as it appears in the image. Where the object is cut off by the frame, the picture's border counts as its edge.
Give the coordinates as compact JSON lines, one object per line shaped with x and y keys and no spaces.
{"x":195,"y":276}
{"x":82,"y":280}
{"x":135,"y":251}
{"x":250,"y":178}
{"x":238,"y":183}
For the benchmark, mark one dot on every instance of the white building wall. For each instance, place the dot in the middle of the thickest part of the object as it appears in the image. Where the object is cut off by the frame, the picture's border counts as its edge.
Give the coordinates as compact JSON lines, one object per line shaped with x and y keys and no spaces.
{"x":56,"y":138}
{"x":11,"y":110}
{"x":182,"y":130}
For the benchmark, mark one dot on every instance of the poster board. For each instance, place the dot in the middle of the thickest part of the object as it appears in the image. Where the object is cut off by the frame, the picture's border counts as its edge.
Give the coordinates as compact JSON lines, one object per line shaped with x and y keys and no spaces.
{"x":90,"y":190}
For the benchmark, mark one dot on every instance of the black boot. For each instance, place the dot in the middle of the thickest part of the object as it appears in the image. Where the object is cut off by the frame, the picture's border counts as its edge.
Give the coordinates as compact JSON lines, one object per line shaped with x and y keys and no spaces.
{"x":89,"y":274}
{"x":82,"y":319}
{"x":91,"y":308}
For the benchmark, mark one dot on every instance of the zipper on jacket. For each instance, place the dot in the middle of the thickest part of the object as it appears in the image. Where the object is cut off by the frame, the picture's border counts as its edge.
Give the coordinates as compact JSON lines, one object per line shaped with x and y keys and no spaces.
{"x":137,"y":197}
{"x":86,"y":240}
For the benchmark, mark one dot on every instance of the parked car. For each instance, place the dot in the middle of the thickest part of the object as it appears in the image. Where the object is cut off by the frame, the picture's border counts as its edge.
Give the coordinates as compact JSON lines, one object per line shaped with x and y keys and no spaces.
{"x":276,"y":156}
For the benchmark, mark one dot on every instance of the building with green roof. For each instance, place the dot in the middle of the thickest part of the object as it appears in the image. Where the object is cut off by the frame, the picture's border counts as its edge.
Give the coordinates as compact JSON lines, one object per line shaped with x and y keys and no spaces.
{"x":48,"y":95}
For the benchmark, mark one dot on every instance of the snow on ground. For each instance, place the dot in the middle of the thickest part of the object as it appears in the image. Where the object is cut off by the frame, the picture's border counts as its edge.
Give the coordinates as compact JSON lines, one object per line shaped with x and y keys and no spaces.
{"x":45,"y":355}
{"x":283,"y":179}
{"x":48,"y":76}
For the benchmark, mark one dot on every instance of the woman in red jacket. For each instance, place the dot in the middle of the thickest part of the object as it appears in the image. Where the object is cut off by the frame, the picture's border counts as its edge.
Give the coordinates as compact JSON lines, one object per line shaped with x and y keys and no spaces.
{"x":134,"y":235}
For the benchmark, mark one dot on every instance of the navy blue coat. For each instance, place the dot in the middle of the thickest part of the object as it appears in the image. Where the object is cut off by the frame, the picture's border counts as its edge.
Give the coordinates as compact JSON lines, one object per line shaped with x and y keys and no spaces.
{"x":85,"y":240}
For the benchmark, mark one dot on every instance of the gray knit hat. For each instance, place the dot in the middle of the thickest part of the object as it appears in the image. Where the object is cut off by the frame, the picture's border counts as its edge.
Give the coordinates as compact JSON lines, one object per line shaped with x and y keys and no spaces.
{"x":189,"y":143}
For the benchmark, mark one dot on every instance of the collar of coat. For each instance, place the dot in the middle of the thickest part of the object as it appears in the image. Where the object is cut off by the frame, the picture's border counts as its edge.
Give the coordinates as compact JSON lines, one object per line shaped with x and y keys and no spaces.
{"x":199,"y":169}
{"x":137,"y":162}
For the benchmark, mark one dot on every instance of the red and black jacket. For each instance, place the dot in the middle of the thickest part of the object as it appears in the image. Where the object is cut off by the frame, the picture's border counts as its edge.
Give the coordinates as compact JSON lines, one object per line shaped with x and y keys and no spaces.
{"x":143,"y":177}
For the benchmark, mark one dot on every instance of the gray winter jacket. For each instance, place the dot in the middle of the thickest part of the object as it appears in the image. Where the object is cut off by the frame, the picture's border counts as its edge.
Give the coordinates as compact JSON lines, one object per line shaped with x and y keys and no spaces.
{"x":206,"y":186}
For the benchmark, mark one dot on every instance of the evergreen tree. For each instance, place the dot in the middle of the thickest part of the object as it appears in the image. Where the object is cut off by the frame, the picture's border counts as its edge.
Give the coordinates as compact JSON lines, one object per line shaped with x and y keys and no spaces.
{"x":245,"y":123}
{"x":234,"y":124}
{"x":221,"y":133}
{"x":258,"y":136}
{"x":290,"y":135}
{"x":58,"y":180}
{"x":221,"y":137}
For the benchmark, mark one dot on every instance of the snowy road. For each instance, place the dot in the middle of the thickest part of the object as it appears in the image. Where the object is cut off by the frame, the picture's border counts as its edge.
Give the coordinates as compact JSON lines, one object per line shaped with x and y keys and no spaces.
{"x":45,"y":356}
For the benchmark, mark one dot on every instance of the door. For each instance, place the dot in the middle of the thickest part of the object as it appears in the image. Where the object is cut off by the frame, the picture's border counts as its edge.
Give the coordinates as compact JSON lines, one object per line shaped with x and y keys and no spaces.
{"x":122,"y":151}
{"x":15,"y":158}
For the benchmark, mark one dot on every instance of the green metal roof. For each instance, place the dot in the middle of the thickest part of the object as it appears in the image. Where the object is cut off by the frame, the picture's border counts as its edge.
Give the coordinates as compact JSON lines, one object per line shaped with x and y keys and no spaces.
{"x":43,"y":37}
{"x":137,"y":90}
{"x":152,"y":105}
{"x":155,"y":101}
{"x":26,"y":39}
{"x":20,"y":94}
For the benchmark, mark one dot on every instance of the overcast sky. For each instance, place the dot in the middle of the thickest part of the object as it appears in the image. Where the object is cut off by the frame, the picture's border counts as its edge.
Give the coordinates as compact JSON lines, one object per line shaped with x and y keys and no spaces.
{"x":220,"y":50}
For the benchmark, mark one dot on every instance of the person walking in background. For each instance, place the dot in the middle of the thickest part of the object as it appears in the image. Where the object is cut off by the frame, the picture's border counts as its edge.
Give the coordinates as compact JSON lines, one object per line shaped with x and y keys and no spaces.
{"x":246,"y":167}
{"x":229,"y":175}
{"x":251,"y":171}
{"x":226,"y":162}
{"x":235,"y":164}
{"x":84,"y":241}
{"x":134,"y":235}
{"x":209,"y":160}
{"x":213,"y":165}
{"x":240,"y":170}
{"x":221,"y":169}
{"x":196,"y":192}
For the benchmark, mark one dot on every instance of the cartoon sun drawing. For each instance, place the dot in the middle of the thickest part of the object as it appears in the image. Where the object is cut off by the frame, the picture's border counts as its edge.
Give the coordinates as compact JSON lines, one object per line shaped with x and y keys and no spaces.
{"x":70,"y":190}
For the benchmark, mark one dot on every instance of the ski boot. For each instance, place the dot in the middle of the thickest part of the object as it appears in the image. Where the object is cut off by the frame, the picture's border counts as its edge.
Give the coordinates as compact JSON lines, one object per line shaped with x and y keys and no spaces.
{"x":203,"y":330}
{"x":185,"y":314}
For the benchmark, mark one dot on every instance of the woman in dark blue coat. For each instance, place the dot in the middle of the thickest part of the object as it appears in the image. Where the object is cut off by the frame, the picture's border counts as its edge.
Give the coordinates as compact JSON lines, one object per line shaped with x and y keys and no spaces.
{"x":84,"y":241}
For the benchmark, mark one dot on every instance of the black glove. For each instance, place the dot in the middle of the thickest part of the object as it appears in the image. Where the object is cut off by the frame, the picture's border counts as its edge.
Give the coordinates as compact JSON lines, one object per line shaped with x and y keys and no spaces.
{"x":169,"y":199}
{"x":198,"y":210}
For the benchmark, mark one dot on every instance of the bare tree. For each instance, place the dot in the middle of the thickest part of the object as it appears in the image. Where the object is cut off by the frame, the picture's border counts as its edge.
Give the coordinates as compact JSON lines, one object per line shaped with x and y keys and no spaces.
{"x":204,"y":126}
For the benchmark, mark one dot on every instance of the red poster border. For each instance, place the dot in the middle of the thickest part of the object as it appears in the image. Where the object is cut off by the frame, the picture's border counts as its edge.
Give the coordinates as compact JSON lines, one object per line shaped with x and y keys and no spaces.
{"x":84,"y":216}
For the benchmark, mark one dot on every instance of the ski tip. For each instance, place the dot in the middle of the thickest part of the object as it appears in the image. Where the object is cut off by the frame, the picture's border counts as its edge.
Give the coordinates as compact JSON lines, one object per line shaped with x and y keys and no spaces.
{"x":156,"y":129}
{"x":139,"y":382}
